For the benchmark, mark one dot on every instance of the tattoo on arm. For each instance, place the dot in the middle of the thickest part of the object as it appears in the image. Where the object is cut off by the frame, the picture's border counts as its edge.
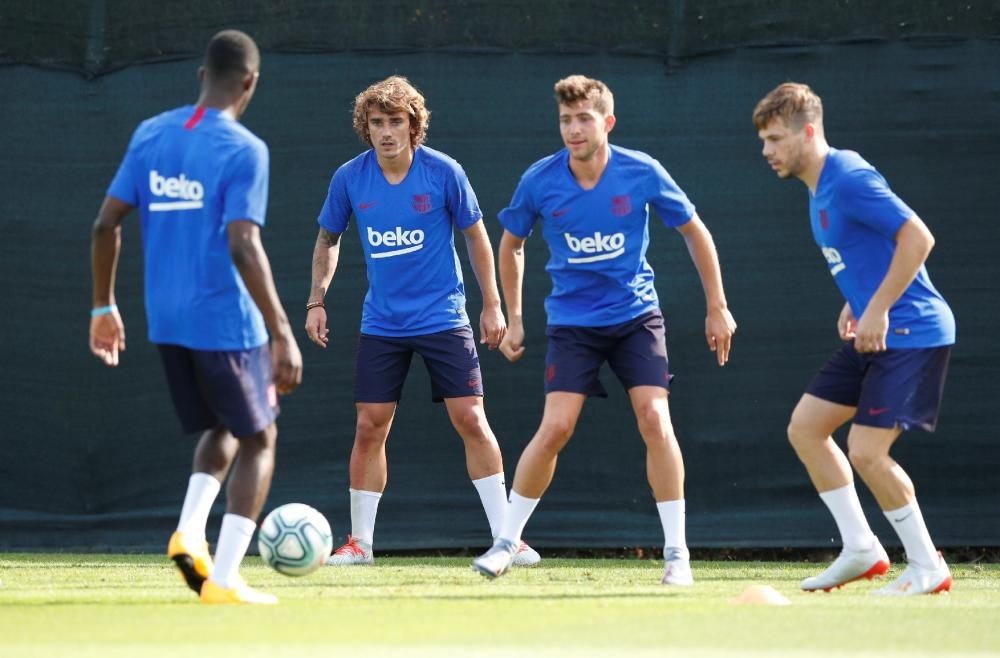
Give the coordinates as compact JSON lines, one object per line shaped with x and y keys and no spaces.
{"x":331,"y":239}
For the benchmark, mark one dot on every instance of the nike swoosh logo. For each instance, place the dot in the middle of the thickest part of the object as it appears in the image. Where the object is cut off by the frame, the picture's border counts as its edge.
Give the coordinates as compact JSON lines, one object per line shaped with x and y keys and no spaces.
{"x":875,"y":412}
{"x":366,"y":206}
{"x":903,"y":519}
{"x":560,"y":213}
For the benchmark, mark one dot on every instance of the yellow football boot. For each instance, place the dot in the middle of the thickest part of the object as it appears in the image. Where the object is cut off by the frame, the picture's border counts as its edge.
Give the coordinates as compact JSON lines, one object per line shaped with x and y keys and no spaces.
{"x":192,"y":559}
{"x":212,"y":592}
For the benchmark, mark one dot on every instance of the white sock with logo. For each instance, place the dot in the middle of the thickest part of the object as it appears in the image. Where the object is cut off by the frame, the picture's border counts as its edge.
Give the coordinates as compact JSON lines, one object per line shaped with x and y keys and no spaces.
{"x":202,"y":491}
{"x":845,"y":507}
{"x":519,"y":510}
{"x":234,"y":539}
{"x":364,"y":507}
{"x":672,"y":517}
{"x":908,"y":523}
{"x":493,"y":494}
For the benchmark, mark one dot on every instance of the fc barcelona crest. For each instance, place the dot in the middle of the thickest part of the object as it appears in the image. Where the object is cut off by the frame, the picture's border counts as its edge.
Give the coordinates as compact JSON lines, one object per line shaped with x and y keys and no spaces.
{"x":621,"y":205}
{"x":422,"y":203}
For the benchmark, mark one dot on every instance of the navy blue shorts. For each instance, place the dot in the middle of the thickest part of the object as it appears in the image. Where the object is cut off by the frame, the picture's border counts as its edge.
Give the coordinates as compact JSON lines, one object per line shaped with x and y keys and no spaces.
{"x":450,"y":357}
{"x":897,"y":387}
{"x":228,"y":388}
{"x":636,"y":351}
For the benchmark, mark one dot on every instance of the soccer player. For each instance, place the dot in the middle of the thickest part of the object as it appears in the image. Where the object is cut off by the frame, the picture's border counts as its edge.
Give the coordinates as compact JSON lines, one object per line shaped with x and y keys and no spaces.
{"x":898,"y":331}
{"x":593,"y":201}
{"x":199,"y":179}
{"x":407,"y":200}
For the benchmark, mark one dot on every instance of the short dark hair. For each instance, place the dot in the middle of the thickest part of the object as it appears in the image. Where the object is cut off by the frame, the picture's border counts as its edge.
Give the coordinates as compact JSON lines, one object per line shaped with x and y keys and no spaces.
{"x":576,"y":88}
{"x":231,"y":54}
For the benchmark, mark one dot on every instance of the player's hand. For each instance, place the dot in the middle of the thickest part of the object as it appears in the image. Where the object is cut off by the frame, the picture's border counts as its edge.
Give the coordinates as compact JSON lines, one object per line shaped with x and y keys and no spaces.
{"x":492,"y":326}
{"x":286,"y":362}
{"x":107,"y":337}
{"x":512,"y":345}
{"x":719,"y":329}
{"x":871,"y":331}
{"x":316,"y":327}
{"x":847,"y":325}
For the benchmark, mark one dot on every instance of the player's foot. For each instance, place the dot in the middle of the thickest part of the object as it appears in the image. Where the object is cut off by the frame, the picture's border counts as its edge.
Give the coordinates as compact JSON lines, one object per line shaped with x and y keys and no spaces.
{"x":192,"y":559}
{"x":212,"y":592}
{"x":677,"y":569}
{"x":351,"y":553}
{"x":917,"y":579}
{"x":849,"y":566}
{"x":496,"y":561}
{"x":526,"y":556}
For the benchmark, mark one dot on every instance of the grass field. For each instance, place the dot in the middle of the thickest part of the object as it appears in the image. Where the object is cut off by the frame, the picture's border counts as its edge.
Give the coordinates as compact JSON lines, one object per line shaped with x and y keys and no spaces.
{"x":135,"y":605}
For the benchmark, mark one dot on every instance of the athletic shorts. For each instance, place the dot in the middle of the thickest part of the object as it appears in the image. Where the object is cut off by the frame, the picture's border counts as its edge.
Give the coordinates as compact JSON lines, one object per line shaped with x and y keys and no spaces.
{"x":210,"y":388}
{"x":636,"y":351}
{"x":897,"y":387}
{"x":450,"y":357}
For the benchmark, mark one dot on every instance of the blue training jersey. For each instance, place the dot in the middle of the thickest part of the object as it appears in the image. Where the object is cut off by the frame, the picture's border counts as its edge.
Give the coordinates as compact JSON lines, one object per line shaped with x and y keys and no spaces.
{"x":597,"y":238}
{"x":855,"y":218}
{"x":191,"y":171}
{"x":407,"y":232}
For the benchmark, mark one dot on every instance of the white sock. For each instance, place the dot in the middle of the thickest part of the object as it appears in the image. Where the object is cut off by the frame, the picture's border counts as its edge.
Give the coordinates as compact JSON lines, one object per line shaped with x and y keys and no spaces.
{"x":364,"y":507}
{"x":908,"y":523}
{"x":493,"y":494}
{"x":843,"y":503}
{"x":201,"y":494}
{"x":234,"y":538}
{"x":518,"y":512}
{"x":672,"y":518}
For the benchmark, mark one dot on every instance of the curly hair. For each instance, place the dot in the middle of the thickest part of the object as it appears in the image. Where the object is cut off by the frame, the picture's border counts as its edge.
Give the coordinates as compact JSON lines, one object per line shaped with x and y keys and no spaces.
{"x":394,"y":94}
{"x":793,"y":102}
{"x":577,"y":88}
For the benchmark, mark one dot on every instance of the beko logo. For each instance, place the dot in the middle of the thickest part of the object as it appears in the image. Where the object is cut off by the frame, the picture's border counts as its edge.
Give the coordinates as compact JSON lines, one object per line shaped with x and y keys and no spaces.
{"x":409,"y":241}
{"x":188,"y":193}
{"x":603,"y":247}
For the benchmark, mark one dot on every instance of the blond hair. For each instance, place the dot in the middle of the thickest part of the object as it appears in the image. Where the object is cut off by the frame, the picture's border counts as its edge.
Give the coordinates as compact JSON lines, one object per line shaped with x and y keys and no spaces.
{"x":394,"y":94}
{"x":793,"y":102}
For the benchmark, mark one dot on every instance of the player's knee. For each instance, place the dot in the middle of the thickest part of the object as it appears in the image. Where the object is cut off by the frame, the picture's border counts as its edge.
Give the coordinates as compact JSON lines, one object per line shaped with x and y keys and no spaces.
{"x":471,"y":423}
{"x":554,"y":433}
{"x":801,"y":434}
{"x":654,"y":423}
{"x":260,"y":442}
{"x":863,"y":457}
{"x":370,"y":431}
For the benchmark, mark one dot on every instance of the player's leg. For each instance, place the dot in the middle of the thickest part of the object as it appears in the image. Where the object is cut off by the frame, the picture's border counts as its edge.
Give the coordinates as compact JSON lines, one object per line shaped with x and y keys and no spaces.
{"x":532,"y":477}
{"x":830,"y":401}
{"x":452,"y":361}
{"x":903,"y":389}
{"x":188,"y":548}
{"x":380,"y":371}
{"x":238,"y":386}
{"x":638,"y":356}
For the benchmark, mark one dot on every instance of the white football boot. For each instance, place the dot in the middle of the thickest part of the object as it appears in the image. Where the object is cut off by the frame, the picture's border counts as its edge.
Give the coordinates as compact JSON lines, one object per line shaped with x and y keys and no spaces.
{"x":526,"y":556}
{"x":496,"y":561}
{"x":352,"y":553}
{"x":917,"y":579}
{"x":677,"y":569}
{"x":850,"y":566}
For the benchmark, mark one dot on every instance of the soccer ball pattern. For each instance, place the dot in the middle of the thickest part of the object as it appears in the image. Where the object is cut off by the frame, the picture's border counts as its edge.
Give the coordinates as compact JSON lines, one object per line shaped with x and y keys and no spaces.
{"x":295,"y":539}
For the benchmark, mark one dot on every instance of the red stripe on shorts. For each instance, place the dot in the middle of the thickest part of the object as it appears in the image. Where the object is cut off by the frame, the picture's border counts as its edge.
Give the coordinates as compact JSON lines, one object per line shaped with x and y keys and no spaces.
{"x":195,"y":118}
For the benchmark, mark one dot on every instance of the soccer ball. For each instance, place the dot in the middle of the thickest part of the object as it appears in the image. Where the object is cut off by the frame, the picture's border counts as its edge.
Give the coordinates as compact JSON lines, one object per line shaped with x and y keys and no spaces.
{"x":295,"y":539}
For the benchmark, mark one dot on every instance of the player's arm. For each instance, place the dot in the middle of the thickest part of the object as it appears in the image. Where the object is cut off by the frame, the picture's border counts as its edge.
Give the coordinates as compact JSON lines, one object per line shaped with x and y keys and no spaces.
{"x":913,"y":244}
{"x":251,"y":261}
{"x":326,"y":255}
{"x":719,"y":323}
{"x":492,"y":325}
{"x":511,"y":257}
{"x":107,"y":331}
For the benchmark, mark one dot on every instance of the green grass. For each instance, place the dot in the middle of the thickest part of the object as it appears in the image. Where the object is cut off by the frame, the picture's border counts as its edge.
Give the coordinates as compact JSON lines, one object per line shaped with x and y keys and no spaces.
{"x":135,"y":605}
